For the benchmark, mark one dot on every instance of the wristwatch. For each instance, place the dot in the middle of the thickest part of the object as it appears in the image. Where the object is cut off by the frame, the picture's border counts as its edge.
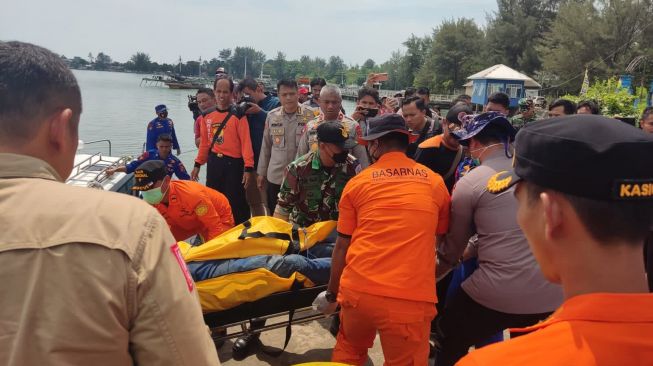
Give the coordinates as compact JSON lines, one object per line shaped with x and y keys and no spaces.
{"x":330,"y":296}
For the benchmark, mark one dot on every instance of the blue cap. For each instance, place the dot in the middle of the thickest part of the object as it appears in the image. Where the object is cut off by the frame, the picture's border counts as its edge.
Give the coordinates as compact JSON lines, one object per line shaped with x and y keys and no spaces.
{"x":160,"y":108}
{"x":474,"y":124}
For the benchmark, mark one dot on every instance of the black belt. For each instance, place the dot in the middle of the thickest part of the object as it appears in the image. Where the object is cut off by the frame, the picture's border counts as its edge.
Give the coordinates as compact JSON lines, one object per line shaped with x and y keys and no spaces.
{"x":223,"y":156}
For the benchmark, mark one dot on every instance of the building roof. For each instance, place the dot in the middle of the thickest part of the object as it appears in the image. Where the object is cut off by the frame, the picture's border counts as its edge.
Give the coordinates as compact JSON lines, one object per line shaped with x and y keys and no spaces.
{"x":503,"y":72}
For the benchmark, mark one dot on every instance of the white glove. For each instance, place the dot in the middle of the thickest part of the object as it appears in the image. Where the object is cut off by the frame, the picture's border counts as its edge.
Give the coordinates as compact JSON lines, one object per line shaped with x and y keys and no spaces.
{"x":323,"y":305}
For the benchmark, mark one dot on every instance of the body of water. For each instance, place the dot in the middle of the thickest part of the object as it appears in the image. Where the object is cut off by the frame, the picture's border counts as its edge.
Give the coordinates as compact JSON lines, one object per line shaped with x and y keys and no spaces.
{"x":117,"y":108}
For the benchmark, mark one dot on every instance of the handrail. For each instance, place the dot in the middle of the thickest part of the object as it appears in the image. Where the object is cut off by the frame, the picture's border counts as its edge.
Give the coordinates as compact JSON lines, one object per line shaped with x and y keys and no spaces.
{"x":101,"y":175}
{"x":77,"y":166}
{"x":96,"y":141}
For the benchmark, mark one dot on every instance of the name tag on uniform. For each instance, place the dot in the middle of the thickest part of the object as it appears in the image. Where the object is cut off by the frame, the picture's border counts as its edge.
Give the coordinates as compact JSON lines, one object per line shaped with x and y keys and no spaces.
{"x":278,"y":137}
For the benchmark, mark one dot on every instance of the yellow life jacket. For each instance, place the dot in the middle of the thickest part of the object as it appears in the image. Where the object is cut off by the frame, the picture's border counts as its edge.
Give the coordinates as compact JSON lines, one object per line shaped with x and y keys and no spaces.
{"x":262,"y":235}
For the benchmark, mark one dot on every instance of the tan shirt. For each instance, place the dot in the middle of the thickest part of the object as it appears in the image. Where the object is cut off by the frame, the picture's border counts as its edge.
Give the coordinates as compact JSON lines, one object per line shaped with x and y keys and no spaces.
{"x":280,"y":140}
{"x":90,"y":277}
{"x":508,"y":278}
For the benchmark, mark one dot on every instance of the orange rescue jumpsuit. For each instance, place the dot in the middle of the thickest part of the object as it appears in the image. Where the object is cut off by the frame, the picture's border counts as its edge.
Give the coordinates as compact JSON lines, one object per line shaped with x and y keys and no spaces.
{"x":196,"y":209}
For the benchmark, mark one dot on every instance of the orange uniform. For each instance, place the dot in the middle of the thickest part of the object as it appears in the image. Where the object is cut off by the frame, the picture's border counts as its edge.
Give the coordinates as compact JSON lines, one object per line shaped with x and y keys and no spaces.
{"x":234,"y":140}
{"x":196,"y":209}
{"x":591,"y":329}
{"x":392,"y":210}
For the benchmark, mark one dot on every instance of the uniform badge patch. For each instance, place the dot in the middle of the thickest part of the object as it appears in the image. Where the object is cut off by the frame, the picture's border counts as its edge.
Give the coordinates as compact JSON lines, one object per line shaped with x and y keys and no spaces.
{"x":497,"y":184}
{"x":201,"y":209}
{"x":174,"y":248}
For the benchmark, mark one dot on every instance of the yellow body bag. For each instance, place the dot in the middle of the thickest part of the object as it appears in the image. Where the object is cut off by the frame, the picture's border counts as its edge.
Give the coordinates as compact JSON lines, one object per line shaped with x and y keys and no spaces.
{"x":263,"y":235}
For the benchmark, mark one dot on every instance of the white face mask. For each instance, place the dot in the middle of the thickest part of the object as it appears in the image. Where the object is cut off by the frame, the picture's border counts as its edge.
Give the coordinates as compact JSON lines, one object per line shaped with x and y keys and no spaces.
{"x":482,"y":149}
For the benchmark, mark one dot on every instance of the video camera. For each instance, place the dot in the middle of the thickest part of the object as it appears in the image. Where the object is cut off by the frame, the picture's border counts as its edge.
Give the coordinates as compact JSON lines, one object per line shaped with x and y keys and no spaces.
{"x":193,"y":107}
{"x":192,"y":104}
{"x":244,"y":104}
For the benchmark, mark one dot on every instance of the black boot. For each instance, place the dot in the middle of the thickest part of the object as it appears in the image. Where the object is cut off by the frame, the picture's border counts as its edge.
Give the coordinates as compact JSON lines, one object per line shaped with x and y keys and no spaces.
{"x":244,"y":346}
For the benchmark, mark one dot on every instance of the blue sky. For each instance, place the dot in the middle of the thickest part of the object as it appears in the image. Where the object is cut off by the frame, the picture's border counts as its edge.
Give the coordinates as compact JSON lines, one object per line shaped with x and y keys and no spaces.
{"x":166,"y":29}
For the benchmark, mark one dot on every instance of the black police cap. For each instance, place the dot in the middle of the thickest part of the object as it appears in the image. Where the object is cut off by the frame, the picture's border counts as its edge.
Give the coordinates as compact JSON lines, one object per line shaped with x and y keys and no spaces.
{"x":334,"y":132}
{"x":149,"y":173}
{"x":588,"y":156}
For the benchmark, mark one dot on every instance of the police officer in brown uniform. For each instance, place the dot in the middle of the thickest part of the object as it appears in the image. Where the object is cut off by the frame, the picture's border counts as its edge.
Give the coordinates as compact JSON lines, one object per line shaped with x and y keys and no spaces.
{"x":283,"y":131}
{"x":88,"y":277}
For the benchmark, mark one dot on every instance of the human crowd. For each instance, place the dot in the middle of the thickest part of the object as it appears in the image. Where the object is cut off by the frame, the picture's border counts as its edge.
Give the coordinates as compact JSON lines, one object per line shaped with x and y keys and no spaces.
{"x":455,"y":230}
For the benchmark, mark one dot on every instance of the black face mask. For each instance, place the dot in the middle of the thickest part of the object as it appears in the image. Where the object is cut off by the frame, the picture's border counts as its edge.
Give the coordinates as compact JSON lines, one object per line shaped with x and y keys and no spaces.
{"x":340,"y":157}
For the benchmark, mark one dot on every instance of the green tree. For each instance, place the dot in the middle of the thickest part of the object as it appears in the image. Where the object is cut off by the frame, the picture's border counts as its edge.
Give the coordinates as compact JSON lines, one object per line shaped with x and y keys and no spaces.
{"x":102,"y":61}
{"x":369,"y":64}
{"x":319,"y":67}
{"x":602,"y":37}
{"x":224,"y":54}
{"x":416,"y":50}
{"x":392,"y":66}
{"x":454,"y":55}
{"x":306,"y":66}
{"x":613,"y":100}
{"x":141,"y":62}
{"x":280,"y":66}
{"x":335,"y":69}
{"x":516,"y":29}
{"x":242,"y":56}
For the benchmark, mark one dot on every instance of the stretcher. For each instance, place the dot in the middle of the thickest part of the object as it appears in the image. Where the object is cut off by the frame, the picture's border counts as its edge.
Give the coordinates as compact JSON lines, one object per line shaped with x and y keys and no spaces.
{"x":294,"y":305}
{"x":226,"y":300}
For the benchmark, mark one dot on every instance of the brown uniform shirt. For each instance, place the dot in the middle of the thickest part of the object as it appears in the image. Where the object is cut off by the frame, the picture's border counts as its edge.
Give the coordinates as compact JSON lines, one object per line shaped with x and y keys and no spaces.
{"x":90,"y":277}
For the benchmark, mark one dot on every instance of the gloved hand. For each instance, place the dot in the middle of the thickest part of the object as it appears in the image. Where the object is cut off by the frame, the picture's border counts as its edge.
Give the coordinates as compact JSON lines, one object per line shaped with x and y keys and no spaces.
{"x":323,"y":305}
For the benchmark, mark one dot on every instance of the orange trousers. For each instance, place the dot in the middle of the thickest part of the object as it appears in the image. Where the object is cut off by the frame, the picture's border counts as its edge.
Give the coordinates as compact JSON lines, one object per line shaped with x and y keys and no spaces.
{"x":403,"y":325}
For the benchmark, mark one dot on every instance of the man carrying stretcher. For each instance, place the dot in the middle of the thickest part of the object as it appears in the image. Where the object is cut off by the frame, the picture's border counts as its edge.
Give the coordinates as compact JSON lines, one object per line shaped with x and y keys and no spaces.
{"x":189,"y":207}
{"x":310,"y":193}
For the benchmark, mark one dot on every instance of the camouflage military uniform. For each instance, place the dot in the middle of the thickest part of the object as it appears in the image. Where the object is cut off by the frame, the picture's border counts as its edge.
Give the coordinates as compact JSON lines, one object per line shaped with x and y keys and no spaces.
{"x":308,"y":141}
{"x":519,"y":121}
{"x":309,"y":193}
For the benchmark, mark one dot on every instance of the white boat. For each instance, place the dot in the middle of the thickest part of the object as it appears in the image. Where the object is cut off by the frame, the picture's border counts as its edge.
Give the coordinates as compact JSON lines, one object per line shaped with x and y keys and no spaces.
{"x":89,"y":170}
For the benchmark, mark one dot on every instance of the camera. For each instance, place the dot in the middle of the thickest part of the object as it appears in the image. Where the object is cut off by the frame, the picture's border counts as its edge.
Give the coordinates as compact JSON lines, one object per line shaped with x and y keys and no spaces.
{"x":370,"y":112}
{"x":244,"y":104}
{"x":192,"y":104}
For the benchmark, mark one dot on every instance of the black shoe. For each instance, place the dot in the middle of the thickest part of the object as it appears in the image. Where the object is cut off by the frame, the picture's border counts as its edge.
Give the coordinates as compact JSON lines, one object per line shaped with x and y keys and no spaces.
{"x":244,"y":346}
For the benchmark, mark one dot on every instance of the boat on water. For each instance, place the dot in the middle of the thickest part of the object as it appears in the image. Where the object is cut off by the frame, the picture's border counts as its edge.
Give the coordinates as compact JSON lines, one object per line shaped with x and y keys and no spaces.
{"x":90,"y":170}
{"x":187,"y":84}
{"x":176,"y":81}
